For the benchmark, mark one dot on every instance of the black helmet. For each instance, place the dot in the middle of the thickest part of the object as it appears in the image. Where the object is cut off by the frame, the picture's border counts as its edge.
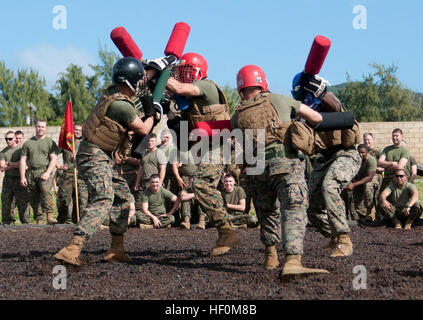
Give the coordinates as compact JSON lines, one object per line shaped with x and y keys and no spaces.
{"x":128,"y":69}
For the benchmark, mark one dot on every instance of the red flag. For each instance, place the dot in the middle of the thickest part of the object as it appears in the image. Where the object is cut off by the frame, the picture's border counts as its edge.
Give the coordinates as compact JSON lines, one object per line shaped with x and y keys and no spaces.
{"x":66,"y":131}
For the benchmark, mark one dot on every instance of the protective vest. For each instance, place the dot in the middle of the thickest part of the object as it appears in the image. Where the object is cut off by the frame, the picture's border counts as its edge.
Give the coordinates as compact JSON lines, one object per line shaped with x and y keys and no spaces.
{"x":104,"y":132}
{"x":213,"y":112}
{"x":260,"y":114}
{"x":325,"y":142}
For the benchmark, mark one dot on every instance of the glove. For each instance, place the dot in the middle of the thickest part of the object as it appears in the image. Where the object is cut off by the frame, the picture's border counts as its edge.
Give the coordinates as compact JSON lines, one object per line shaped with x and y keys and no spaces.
{"x":158,"y":109}
{"x":161,"y":63}
{"x":148,"y":106}
{"x":314,"y":84}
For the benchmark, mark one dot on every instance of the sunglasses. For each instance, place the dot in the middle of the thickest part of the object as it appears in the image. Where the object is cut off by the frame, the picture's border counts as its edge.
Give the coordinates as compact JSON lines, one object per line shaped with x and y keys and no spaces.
{"x":399,"y":175}
{"x":9,"y":139}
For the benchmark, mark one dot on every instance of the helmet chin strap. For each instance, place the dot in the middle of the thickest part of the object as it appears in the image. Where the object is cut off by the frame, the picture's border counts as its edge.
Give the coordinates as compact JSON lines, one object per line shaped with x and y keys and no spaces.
{"x":130,"y":86}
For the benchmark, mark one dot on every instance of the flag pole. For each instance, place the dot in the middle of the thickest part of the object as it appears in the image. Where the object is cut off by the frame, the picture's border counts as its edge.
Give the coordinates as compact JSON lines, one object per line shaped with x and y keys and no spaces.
{"x":75,"y":175}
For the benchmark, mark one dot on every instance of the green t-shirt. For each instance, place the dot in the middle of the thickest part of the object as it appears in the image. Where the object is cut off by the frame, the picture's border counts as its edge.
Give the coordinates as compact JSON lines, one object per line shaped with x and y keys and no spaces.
{"x":156,"y":201}
{"x":375,"y":152}
{"x":367,"y":166}
{"x":150,"y":163}
{"x":11,"y":155}
{"x":411,"y":162}
{"x":234,"y":197}
{"x":208,"y":93}
{"x":121,"y":111}
{"x":399,"y":197}
{"x":170,"y":153}
{"x":393,"y":153}
{"x":38,"y":152}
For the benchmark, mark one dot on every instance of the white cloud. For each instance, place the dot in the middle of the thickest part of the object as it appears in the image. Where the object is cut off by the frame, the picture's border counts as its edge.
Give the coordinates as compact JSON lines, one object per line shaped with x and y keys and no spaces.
{"x":49,"y":60}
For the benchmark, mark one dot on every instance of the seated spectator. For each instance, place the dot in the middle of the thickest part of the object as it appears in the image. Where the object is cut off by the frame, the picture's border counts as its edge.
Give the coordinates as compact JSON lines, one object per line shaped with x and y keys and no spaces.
{"x":360,"y":191}
{"x":400,"y":201}
{"x":188,"y":205}
{"x":234,"y":198}
{"x":153,"y":201}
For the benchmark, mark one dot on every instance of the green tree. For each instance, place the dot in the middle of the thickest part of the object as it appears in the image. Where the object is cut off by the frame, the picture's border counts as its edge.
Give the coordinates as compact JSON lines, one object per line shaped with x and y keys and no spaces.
{"x":19,"y":91}
{"x":380,"y":97}
{"x":232,"y":96}
{"x":74,"y":84}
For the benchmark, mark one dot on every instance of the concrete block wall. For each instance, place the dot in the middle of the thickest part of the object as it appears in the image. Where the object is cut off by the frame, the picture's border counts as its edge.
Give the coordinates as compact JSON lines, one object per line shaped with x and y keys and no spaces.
{"x":382,"y":132}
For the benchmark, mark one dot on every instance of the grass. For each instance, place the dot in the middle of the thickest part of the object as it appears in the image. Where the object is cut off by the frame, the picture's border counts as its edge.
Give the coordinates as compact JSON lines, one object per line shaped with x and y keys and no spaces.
{"x":16,"y":215}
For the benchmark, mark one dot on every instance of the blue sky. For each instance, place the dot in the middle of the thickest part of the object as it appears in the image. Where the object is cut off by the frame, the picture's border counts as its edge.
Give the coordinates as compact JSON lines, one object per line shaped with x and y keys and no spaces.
{"x":276,"y":35}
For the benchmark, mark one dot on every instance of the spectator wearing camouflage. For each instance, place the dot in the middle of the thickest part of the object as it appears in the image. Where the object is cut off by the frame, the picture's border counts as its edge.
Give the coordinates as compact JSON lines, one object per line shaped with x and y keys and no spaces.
{"x":65,"y":185}
{"x":39,"y":155}
{"x":190,"y":207}
{"x":154,"y":213}
{"x":153,"y":162}
{"x":9,"y":164}
{"x":234,"y":197}
{"x":169,"y":182}
{"x":360,"y":191}
{"x":283,"y":176}
{"x":206,"y":102}
{"x":374,"y":151}
{"x":105,"y":132}
{"x":411,"y":166}
{"x":394,"y":157}
{"x":400,"y":201}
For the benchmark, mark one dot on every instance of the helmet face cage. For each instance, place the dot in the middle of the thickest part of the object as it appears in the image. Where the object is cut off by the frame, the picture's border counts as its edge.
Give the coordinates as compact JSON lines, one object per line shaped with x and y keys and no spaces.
{"x":186,"y":73}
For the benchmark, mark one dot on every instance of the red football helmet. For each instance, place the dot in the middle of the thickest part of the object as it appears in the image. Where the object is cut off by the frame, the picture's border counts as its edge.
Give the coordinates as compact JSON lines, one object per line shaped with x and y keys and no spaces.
{"x":251,"y":76}
{"x":192,"y":66}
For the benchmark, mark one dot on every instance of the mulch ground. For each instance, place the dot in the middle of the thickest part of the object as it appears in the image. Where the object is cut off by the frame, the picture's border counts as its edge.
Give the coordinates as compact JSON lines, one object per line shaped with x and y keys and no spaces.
{"x":174,"y":264}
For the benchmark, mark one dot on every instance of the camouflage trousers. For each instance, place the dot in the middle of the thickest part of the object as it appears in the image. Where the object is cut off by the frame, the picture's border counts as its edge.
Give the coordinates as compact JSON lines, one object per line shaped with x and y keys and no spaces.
{"x":12,"y":190}
{"x":39,"y":193}
{"x":329,"y":176}
{"x":361,"y":200}
{"x":397,"y":212}
{"x":141,"y":218}
{"x":190,"y":208}
{"x":240,"y":218}
{"x":281,"y":204}
{"x":205,"y":187}
{"x":108,"y":193}
{"x":66,"y":197}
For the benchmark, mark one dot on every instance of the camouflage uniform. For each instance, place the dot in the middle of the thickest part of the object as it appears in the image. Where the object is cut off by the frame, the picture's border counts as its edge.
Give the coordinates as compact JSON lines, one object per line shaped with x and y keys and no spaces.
{"x":190,"y":207}
{"x":12,"y":189}
{"x":108,"y":192}
{"x":66,"y":197}
{"x":280,"y":192}
{"x":329,"y":176}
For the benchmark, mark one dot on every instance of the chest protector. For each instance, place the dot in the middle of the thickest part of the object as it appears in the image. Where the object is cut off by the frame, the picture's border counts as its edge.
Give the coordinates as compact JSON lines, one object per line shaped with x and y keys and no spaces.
{"x":104,"y":132}
{"x":260,"y":114}
{"x":214,"y":112}
{"x":326,"y":140}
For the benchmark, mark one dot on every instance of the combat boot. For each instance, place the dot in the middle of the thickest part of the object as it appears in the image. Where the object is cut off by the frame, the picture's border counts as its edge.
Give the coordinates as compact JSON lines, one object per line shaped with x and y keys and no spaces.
{"x":71,"y":253}
{"x":146,"y":226}
{"x":116,"y":252}
{"x":332,"y":243}
{"x":39,"y":222}
{"x":407,"y":224}
{"x":228,"y":239}
{"x":271,"y":262}
{"x":397,"y":224}
{"x":293,"y":269}
{"x":202,"y":222}
{"x":344,"y":247}
{"x":50,"y":219}
{"x":186,"y":224}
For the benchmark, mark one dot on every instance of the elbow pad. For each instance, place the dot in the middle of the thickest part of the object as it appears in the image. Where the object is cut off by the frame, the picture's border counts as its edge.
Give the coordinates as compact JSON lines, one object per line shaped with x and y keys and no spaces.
{"x":335,"y":121}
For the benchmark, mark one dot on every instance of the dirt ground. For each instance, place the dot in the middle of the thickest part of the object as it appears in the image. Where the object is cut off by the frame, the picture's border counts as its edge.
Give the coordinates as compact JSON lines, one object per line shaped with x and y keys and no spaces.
{"x":174,"y":264}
